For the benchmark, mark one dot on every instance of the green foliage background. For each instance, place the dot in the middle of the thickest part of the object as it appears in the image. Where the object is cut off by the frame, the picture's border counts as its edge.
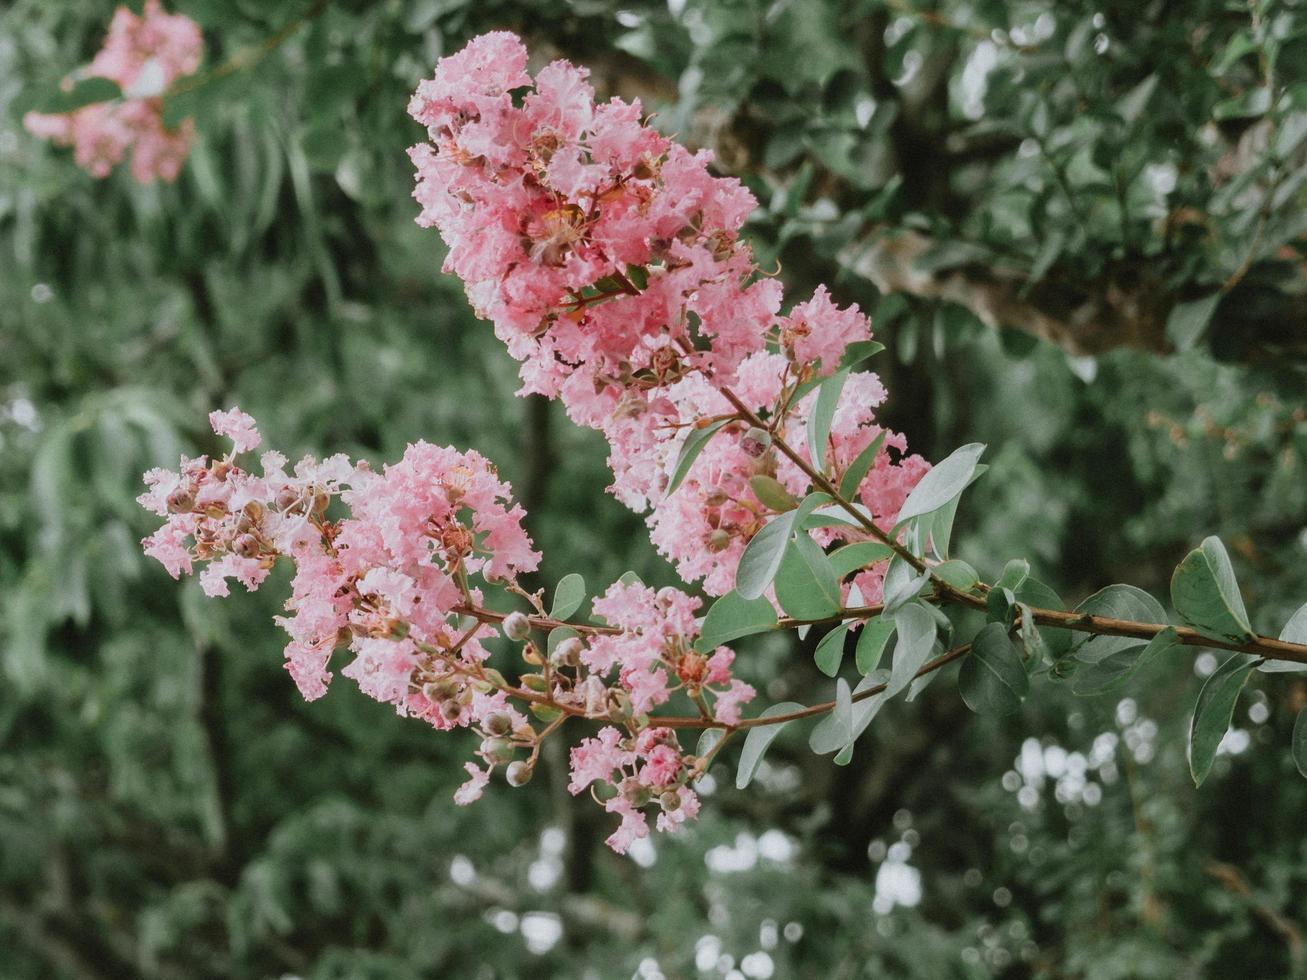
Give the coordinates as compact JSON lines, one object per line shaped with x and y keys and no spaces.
{"x":168,"y":806}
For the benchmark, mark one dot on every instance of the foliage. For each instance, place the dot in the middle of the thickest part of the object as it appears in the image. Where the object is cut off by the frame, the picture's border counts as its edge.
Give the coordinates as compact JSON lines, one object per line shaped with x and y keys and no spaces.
{"x":169,"y":809}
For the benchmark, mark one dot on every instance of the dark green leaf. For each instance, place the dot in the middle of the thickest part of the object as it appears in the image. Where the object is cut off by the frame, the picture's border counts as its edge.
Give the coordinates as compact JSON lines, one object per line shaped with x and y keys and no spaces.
{"x":993,"y":680}
{"x":1295,"y":631}
{"x":1213,"y":711}
{"x":1206,"y":594}
{"x":830,"y":650}
{"x":1114,"y":672}
{"x":859,"y":468}
{"x":957,"y":574}
{"x":857,"y":556}
{"x":873,"y":636}
{"x":1117,"y":602}
{"x":763,"y":554}
{"x":59,"y":100}
{"x":823,"y":412}
{"x":1299,"y":742}
{"x":1188,"y":321}
{"x":806,"y":585}
{"x":695,"y":443}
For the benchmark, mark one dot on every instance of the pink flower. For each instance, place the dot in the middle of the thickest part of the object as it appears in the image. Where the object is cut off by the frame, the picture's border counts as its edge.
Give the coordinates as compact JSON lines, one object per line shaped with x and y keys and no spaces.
{"x":471,"y":790}
{"x":236,"y":426}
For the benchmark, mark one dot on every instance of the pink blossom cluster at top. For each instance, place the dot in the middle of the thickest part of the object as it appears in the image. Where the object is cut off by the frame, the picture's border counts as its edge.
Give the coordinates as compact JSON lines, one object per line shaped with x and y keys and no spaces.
{"x":144,"y":55}
{"x":610,"y":261}
{"x":397,"y":582}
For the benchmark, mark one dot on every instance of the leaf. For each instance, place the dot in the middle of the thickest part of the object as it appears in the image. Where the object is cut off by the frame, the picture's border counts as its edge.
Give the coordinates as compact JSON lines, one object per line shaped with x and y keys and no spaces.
{"x":830,"y":650}
{"x":1187,"y":322}
{"x":1206,"y":594}
{"x":1131,"y":105}
{"x":1117,"y":602}
{"x":857,"y":556}
{"x":1299,"y":742}
{"x":858,"y":469}
{"x":1033,"y":592}
{"x":835,"y":730}
{"x":58,"y":100}
{"x":993,"y":680}
{"x":916,"y":629}
{"x":733,"y":616}
{"x":872,"y":638}
{"x":901,"y":584}
{"x":772,"y":494}
{"x":758,"y":740}
{"x":823,"y":412}
{"x":1213,"y":712}
{"x":1295,"y":631}
{"x":762,"y":555}
{"x":1114,"y":672}
{"x":708,"y":738}
{"x":1015,"y":572}
{"x":806,"y":586}
{"x":957,"y":574}
{"x":859,"y":351}
{"x":568,"y":596}
{"x":695,"y":443}
{"x":948,"y":479}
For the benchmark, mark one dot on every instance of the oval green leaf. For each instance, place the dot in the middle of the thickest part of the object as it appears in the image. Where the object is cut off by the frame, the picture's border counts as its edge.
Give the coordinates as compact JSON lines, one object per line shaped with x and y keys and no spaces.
{"x":1206,"y":594}
{"x":759,"y":740}
{"x":568,"y":596}
{"x":993,"y":680}
{"x":1213,"y":712}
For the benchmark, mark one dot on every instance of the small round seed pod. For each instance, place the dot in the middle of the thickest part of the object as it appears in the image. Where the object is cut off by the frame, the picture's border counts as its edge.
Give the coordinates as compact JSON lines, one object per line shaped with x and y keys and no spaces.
{"x":499,"y":723}
{"x":670,"y":801}
{"x":755,"y":442}
{"x":518,"y":773}
{"x":517,"y":626}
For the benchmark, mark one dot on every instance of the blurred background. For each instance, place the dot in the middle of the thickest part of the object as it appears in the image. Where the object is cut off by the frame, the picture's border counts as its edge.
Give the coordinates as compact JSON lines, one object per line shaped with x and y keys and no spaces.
{"x":1079,"y":227}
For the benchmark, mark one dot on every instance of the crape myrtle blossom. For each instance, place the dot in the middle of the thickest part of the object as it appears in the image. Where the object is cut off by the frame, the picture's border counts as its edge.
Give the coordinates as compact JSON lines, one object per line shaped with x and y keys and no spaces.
{"x":394,"y":587}
{"x":144,"y":54}
{"x":610,"y":262}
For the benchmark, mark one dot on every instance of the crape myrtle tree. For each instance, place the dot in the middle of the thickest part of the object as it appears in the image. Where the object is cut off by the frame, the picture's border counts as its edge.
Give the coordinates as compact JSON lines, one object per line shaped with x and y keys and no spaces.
{"x":614,"y":268}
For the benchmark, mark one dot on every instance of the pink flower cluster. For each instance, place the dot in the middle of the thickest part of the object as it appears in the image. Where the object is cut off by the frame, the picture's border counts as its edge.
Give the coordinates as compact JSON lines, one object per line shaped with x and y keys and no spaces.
{"x":144,"y":55}
{"x":610,"y":262}
{"x":394,"y":581}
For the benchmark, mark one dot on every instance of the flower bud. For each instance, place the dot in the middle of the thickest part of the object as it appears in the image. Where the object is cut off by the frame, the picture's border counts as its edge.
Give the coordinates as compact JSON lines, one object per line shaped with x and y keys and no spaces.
{"x":320,"y":501}
{"x":535,"y":682}
{"x":670,"y":801}
{"x":719,"y":540}
{"x":755,"y":442}
{"x":287,"y":498}
{"x":497,"y":749}
{"x":517,"y":626}
{"x":451,"y":710}
{"x":568,"y":653}
{"x":716,"y":498}
{"x":181,"y":500}
{"x":518,"y":773}
{"x":636,"y":793}
{"x":499,"y":723}
{"x":246,"y":545}
{"x":532,"y":655}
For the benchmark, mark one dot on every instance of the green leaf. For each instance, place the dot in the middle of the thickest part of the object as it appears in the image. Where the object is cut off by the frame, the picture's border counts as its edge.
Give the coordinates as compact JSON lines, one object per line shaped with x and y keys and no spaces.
{"x":1015,"y":572}
{"x":568,"y":596}
{"x":1117,"y":602}
{"x":1033,"y":592}
{"x":772,"y":494}
{"x":957,"y":574}
{"x":1295,"y":631}
{"x":823,"y":412}
{"x":916,"y":629}
{"x":830,"y":650}
{"x":859,"y":351}
{"x":708,"y":738}
{"x":872,"y":638}
{"x":1213,"y":712}
{"x":758,"y":740}
{"x":835,"y":730}
{"x":993,"y":680}
{"x":858,"y":469}
{"x":857,"y":556}
{"x":1206,"y":594}
{"x":1114,"y":672}
{"x":901,"y":584}
{"x":948,"y":479}
{"x":1187,"y":322}
{"x":733,"y":616}
{"x":695,"y":443}
{"x":763,"y":554}
{"x":59,"y":100}
{"x":1299,"y":742}
{"x":806,"y":586}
